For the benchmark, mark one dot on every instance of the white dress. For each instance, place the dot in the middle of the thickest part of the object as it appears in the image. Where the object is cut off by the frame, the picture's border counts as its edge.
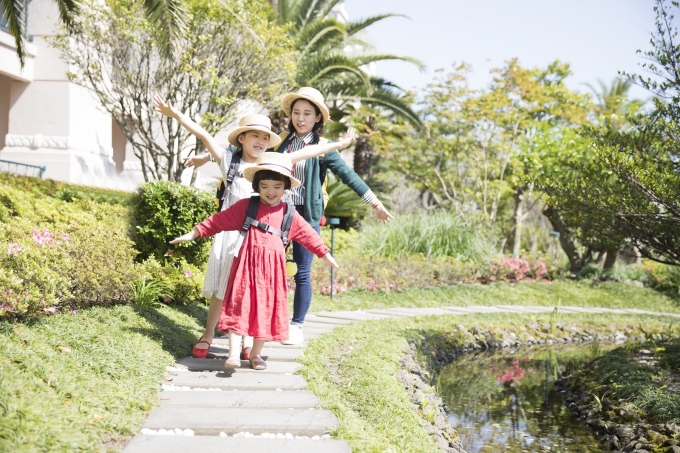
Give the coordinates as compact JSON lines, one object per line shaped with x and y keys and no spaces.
{"x":224,"y":243}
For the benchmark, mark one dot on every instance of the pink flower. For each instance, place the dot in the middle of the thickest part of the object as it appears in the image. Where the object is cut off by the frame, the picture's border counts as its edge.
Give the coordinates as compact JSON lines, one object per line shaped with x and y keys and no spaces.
{"x":188,"y":274}
{"x":73,"y":312}
{"x":13,"y":249}
{"x":65,"y":237}
{"x":169,"y":252}
{"x":44,"y":238}
{"x":167,"y":299}
{"x":51,"y":310}
{"x":4,"y":306}
{"x":546,"y":282}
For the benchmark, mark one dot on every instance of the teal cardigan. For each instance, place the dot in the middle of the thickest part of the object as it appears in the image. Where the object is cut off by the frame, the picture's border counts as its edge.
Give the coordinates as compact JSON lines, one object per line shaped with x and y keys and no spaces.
{"x":315,"y":174}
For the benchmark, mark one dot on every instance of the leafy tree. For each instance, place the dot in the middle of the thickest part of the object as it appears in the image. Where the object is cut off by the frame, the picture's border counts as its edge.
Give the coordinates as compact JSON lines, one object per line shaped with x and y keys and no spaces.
{"x":168,"y":16}
{"x":230,"y":54}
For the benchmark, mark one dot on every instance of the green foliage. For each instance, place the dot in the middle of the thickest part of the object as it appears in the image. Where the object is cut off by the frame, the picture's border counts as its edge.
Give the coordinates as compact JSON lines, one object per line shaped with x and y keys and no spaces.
{"x":85,"y":382}
{"x":184,"y":282}
{"x":342,"y":201}
{"x":58,"y":255}
{"x":149,"y":294}
{"x":345,"y":240}
{"x":162,"y":211}
{"x":433,"y":235}
{"x":64,"y":191}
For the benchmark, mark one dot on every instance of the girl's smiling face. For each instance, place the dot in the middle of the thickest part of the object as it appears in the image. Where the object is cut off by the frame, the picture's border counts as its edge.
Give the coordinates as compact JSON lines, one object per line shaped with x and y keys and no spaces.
{"x":271,"y":191}
{"x":254,"y":143}
{"x":304,"y":117}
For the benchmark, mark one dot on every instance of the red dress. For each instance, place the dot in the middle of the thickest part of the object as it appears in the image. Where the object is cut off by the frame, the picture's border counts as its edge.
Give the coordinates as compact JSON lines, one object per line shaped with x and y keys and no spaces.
{"x":256,"y":301}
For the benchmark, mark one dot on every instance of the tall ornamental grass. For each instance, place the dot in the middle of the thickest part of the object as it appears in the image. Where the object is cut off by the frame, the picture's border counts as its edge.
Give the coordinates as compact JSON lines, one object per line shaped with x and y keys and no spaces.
{"x":431,"y":234}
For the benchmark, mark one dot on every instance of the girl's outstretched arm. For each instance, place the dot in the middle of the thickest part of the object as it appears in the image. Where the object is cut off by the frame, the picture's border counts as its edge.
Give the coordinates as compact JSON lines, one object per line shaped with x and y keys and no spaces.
{"x":318,"y":150}
{"x":194,"y":234}
{"x":208,"y":140}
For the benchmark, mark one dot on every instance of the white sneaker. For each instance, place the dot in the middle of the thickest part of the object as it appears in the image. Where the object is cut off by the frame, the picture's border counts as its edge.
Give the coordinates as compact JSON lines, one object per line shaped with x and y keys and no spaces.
{"x":294,"y":335}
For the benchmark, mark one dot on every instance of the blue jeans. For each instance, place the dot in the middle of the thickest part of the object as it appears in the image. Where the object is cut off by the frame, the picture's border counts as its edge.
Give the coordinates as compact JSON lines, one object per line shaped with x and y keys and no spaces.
{"x":303,"y":281}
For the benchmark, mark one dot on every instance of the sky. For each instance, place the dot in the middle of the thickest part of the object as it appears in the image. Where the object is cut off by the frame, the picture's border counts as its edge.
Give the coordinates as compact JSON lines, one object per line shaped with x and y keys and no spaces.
{"x":596,"y":37}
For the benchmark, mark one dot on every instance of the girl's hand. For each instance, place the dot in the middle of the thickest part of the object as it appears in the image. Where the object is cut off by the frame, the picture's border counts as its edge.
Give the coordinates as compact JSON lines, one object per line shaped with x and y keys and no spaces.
{"x":330,"y":261}
{"x":187,"y":237}
{"x":165,"y":108}
{"x":196,"y":161}
{"x":348,"y":139}
{"x":382,"y":214}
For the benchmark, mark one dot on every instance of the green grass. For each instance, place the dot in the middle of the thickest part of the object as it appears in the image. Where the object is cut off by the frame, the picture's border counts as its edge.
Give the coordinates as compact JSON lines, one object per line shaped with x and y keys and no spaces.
{"x":578,"y":293}
{"x":353,"y":371}
{"x":85,"y":382}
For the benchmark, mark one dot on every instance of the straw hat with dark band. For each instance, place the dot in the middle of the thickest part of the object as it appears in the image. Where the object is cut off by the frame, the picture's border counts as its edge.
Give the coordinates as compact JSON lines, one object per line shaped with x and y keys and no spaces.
{"x":310,"y":94}
{"x":278,"y":162}
{"x":254,"y":122}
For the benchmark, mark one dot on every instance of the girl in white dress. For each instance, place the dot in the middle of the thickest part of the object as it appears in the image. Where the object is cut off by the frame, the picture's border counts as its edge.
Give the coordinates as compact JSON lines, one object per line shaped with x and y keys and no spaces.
{"x":252,"y":137}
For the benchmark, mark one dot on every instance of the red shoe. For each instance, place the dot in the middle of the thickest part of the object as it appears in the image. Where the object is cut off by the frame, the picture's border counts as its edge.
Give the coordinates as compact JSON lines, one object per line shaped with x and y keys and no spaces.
{"x":198,"y":352}
{"x":245,"y":353}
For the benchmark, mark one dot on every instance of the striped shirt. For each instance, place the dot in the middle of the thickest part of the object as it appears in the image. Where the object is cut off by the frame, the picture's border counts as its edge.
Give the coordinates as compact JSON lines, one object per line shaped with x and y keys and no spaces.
{"x":297,"y":195}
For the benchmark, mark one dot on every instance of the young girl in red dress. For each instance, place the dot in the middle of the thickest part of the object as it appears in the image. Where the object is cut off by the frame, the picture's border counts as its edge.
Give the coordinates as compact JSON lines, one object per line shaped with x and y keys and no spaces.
{"x":256,"y":302}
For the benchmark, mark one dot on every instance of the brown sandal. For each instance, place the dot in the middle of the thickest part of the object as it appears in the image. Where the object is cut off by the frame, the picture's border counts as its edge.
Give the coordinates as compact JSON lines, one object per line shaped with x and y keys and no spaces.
{"x":256,"y":363}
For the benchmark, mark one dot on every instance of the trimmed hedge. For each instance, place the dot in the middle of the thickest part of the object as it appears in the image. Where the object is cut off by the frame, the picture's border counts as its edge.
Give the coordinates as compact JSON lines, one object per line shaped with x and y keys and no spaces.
{"x":163,"y":210}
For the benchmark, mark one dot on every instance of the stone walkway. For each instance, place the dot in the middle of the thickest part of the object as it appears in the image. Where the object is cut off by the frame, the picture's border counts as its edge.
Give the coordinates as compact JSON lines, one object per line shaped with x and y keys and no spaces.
{"x":206,"y":408}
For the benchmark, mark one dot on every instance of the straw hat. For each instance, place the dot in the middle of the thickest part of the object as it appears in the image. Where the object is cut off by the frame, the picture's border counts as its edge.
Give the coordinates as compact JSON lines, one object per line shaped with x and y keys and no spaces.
{"x":277,"y":162}
{"x":254,"y":122}
{"x":310,"y":94}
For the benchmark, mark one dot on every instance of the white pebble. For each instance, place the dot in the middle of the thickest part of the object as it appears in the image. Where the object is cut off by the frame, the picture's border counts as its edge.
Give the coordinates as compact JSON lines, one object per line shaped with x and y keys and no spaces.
{"x":178,"y":432}
{"x":148,"y":432}
{"x":279,"y":390}
{"x":289,"y":436}
{"x":280,"y":436}
{"x":170,"y":433}
{"x":315,"y":437}
{"x":239,"y":434}
{"x":247,"y":434}
{"x":326,"y":436}
{"x":223,"y":434}
{"x":162,"y":432}
{"x":188,"y":432}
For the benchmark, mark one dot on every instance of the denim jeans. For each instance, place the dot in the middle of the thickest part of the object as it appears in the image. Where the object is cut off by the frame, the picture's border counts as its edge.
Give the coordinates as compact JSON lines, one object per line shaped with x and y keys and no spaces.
{"x":303,"y":282}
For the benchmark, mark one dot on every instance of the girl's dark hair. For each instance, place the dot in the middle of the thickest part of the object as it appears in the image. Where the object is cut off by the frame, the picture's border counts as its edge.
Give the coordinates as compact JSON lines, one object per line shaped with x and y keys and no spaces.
{"x":318,"y":126}
{"x":268,"y":175}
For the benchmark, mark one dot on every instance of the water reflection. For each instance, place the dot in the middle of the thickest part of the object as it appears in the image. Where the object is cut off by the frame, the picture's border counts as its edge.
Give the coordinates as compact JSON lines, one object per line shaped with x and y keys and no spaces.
{"x":504,"y":401}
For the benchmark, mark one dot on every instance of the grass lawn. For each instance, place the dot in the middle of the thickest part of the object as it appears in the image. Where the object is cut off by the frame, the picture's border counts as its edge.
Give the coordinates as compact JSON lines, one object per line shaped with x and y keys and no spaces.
{"x":85,"y":382}
{"x":353,"y":371}
{"x":579,"y":293}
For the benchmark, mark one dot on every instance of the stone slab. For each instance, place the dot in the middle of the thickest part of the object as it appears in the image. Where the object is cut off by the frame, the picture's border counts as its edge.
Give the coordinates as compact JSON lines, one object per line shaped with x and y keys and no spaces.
{"x":580,"y":309}
{"x":389,"y":313}
{"x":269,"y":354}
{"x":478,"y":309}
{"x":255,"y":380}
{"x":525,"y":309}
{"x":248,"y":398}
{"x":326,"y":320}
{"x":212,"y":421}
{"x":216,"y":444}
{"x":420,"y":311}
{"x":218,"y":365}
{"x":268,"y":344}
{"x":353,"y":315}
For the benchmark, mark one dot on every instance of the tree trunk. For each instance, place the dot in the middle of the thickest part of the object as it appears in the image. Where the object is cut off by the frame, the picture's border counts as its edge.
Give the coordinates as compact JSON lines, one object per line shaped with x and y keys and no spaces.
{"x":363,"y":157}
{"x":576,"y":261}
{"x":612,"y":254}
{"x":517,"y":242}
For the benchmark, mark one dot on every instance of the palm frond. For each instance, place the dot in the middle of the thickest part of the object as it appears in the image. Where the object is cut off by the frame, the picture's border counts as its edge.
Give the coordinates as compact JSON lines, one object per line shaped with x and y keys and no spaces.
{"x":313,"y":10}
{"x":357,"y":26}
{"x":68,"y":10}
{"x":14,"y":12}
{"x":342,"y":201}
{"x":387,"y":100}
{"x":168,"y":16}
{"x":371,"y":58}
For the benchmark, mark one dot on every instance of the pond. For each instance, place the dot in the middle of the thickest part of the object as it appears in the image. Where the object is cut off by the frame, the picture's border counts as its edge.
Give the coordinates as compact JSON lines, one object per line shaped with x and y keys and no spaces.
{"x":505,"y":402}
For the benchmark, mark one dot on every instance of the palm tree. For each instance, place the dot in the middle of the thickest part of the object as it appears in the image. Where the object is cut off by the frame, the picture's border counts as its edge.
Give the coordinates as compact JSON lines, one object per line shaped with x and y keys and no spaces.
{"x":167,"y":15}
{"x":613,"y":103}
{"x":332,"y":56}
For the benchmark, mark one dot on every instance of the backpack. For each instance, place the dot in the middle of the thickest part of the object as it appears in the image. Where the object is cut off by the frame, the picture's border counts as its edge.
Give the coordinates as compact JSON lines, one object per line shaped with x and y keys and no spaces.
{"x":231,"y":174}
{"x":250,"y":221}
{"x":322,"y":141}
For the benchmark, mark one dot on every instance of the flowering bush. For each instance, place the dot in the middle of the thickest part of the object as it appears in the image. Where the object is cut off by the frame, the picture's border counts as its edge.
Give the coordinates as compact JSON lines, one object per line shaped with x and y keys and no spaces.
{"x":57,"y":256}
{"x":513,"y":270}
{"x":184,"y":280}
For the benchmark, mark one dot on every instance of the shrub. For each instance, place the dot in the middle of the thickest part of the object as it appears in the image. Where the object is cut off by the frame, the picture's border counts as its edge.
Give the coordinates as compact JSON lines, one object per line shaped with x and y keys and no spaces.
{"x":345,"y":240}
{"x":163,"y":210}
{"x":57,"y":256}
{"x":511,"y":269}
{"x":433,"y":235}
{"x":64,"y":191}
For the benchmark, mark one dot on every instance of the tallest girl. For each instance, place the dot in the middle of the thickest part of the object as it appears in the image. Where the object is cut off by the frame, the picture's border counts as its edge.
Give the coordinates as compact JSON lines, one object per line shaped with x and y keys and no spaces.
{"x":308,"y":113}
